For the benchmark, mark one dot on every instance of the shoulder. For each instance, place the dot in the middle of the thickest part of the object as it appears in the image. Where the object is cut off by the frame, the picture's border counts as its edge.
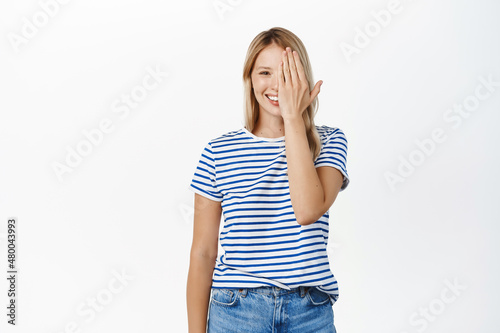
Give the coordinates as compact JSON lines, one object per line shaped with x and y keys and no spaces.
{"x":327,"y":133}
{"x":225,"y":138}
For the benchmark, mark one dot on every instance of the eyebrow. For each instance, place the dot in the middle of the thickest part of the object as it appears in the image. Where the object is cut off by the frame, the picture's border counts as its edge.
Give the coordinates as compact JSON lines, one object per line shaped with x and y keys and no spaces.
{"x":263,"y":67}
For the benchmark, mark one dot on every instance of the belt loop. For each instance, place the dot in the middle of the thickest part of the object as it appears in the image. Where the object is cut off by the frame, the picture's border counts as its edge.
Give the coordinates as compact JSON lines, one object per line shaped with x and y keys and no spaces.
{"x":243,"y":292}
{"x":303,"y":291}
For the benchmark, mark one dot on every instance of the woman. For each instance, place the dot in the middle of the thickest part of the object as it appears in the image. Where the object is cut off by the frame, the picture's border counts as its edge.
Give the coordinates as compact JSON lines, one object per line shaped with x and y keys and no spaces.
{"x":274,"y":180}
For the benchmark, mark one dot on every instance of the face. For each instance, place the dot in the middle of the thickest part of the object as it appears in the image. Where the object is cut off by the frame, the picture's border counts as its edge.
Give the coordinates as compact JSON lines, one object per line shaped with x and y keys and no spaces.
{"x":265,"y":79}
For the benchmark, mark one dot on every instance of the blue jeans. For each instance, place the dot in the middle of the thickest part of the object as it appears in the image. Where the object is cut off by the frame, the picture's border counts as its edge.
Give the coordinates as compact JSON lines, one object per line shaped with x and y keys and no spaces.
{"x":270,"y":310}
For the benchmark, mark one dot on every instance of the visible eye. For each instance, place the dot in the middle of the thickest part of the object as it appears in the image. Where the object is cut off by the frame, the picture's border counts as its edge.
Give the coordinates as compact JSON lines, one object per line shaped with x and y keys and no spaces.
{"x":263,"y":73}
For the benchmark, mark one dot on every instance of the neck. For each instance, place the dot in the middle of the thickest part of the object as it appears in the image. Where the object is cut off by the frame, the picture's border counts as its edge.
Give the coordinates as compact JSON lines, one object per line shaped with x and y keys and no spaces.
{"x":272,"y":127}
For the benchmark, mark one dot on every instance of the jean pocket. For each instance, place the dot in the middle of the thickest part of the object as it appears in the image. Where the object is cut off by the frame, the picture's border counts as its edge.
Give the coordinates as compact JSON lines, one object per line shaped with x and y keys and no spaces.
{"x":225,"y":297}
{"x":317,"y":297}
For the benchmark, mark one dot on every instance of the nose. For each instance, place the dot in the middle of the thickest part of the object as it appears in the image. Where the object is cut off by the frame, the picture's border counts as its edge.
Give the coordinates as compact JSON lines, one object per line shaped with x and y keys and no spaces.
{"x":275,"y":84}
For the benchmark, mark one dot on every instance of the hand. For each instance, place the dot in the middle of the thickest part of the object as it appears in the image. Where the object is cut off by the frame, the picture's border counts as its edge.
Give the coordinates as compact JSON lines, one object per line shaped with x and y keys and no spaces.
{"x":293,"y":88}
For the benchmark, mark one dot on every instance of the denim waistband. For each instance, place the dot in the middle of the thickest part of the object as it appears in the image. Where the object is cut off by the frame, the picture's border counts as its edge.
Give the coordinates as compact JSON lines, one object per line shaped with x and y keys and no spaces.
{"x":271,"y":290}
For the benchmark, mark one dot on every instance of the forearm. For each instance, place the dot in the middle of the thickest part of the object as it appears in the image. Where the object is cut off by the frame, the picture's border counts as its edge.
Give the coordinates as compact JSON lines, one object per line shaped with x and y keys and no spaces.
{"x":199,"y":283}
{"x":306,"y":191}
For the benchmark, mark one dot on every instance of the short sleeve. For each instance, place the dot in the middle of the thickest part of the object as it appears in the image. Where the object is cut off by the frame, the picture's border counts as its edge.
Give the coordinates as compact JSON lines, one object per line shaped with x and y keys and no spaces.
{"x":334,"y":153}
{"x":204,"y":179}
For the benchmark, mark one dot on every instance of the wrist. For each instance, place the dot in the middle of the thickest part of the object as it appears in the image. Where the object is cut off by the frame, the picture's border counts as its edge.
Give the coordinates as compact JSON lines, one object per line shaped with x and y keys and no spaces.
{"x":293,"y":120}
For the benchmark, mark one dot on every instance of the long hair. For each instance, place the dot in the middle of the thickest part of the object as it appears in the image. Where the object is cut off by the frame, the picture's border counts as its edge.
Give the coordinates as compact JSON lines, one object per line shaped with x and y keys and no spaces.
{"x":283,"y":38}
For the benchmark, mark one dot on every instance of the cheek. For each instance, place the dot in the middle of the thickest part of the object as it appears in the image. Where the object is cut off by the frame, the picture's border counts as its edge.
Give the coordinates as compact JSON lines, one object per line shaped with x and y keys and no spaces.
{"x":258,"y":85}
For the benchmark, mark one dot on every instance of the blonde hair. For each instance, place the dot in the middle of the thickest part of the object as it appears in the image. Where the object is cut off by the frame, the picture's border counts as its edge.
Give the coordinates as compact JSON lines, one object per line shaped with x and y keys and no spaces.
{"x":283,"y":38}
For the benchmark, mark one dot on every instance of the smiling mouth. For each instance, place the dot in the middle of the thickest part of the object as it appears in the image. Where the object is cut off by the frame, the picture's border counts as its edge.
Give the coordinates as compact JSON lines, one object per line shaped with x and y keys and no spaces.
{"x":272,"y":98}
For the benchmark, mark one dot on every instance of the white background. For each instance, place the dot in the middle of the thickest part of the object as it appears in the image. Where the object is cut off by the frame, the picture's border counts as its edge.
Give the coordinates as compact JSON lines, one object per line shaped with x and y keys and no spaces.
{"x":126,"y":206}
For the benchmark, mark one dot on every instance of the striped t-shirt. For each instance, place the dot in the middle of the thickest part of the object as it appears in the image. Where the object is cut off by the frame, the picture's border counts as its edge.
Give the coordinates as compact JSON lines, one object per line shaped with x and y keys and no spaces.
{"x":262,"y":242}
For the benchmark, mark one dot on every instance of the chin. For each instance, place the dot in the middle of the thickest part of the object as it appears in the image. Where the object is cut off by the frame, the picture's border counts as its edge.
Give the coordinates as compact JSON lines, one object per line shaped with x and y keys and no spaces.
{"x":275,"y":111}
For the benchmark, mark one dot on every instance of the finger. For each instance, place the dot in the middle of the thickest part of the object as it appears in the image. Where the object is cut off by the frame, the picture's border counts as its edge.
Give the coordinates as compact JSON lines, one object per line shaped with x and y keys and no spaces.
{"x":280,"y":77}
{"x":291,"y":64}
{"x":300,"y":69}
{"x":315,"y":91}
{"x":286,"y":71}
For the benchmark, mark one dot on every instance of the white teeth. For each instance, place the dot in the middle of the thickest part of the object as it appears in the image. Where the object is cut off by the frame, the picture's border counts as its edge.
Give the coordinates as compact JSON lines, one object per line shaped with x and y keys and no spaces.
{"x":272,"y":98}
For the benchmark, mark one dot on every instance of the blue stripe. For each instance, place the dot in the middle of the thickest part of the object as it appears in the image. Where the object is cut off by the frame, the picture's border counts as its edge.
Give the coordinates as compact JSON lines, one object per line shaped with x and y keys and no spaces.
{"x":260,"y":167}
{"x":274,"y":160}
{"x":220,"y":151}
{"x":258,"y":188}
{"x":248,"y":155}
{"x":273,"y":243}
{"x":258,"y":237}
{"x":260,"y":223}
{"x":240,"y":281}
{"x":278,"y":270}
{"x":274,"y":229}
{"x":253,"y":179}
{"x":260,"y":216}
{"x":258,"y":209}
{"x":278,"y":264}
{"x":236,"y":202}
{"x":248,"y":202}
{"x":280,"y":249}
{"x":277,"y":257}
{"x":267,"y":229}
{"x":279,"y":276}
{"x":239,"y":174}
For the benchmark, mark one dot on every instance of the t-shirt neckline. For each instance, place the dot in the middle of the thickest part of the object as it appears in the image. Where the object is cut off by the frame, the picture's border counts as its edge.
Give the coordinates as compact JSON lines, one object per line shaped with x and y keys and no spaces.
{"x":262,"y":138}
